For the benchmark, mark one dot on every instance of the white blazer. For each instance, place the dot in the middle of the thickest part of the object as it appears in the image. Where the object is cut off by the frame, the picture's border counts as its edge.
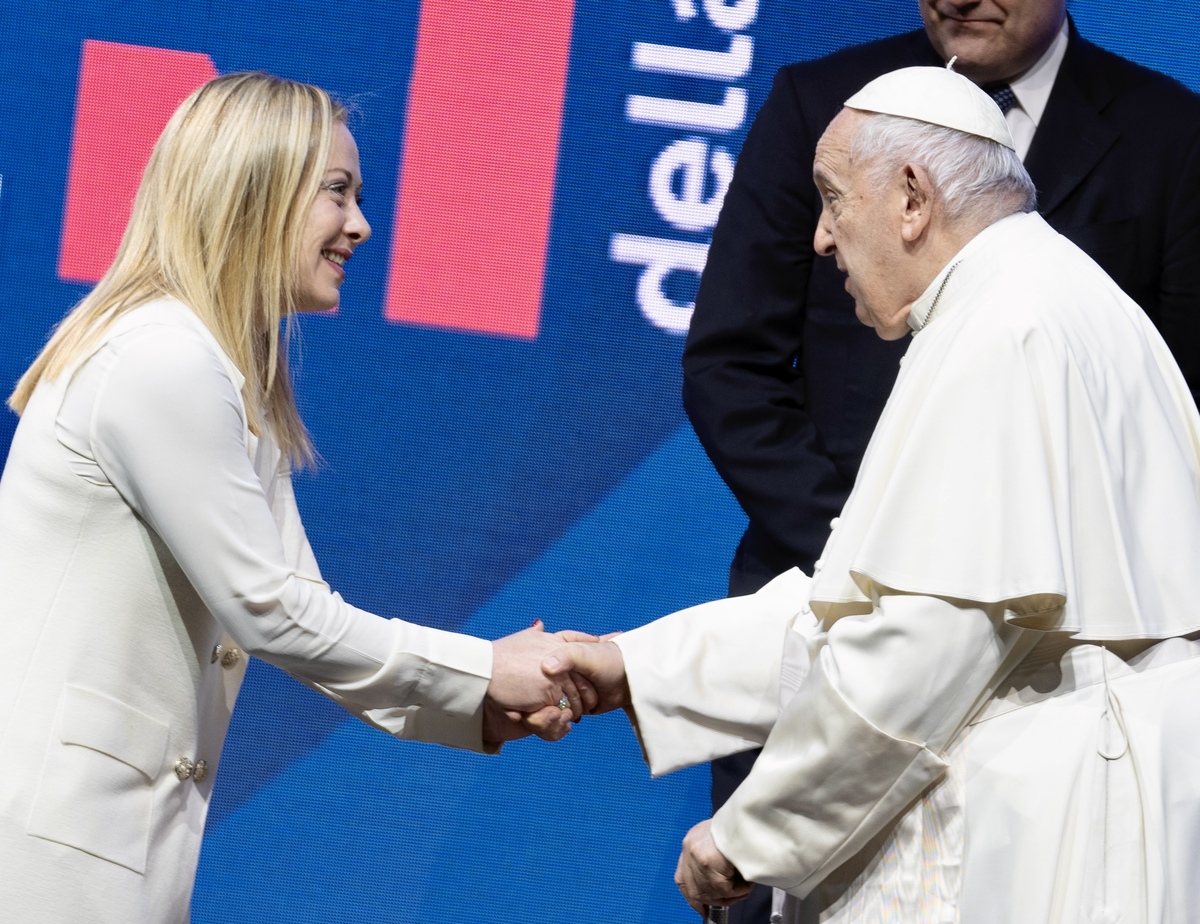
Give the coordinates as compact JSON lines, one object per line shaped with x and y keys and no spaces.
{"x":149,"y":543}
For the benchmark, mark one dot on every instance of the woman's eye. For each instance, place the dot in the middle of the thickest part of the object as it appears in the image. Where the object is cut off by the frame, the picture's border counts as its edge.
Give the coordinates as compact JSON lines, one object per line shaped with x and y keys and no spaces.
{"x":337,"y":190}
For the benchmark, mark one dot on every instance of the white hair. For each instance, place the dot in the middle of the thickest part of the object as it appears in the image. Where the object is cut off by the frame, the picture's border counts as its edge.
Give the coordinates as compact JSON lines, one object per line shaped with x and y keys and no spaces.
{"x":975,"y":178}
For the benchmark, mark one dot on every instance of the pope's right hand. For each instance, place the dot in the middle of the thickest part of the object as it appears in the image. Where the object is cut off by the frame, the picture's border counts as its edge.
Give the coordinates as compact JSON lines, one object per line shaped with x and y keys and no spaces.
{"x":600,"y":664}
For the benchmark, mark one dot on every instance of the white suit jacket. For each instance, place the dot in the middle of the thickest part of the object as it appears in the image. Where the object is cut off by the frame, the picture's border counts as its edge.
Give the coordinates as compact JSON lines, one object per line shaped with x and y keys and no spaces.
{"x":149,"y":543}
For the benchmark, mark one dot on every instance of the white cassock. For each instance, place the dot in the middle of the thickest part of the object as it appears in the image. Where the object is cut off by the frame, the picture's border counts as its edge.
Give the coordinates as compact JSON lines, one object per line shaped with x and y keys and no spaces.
{"x":990,"y":685}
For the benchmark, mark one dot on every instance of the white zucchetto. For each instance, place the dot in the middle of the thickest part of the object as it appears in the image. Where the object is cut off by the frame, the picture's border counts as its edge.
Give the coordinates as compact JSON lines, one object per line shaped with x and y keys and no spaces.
{"x":938,"y":96}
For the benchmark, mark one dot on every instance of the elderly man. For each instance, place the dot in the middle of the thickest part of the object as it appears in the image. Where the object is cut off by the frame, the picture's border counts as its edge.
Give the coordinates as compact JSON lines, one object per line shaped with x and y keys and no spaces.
{"x":784,"y":388}
{"x":981,"y":707}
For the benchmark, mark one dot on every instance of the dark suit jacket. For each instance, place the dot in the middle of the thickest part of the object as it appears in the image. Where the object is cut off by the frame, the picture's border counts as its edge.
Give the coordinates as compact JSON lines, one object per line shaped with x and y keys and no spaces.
{"x":783,"y":385}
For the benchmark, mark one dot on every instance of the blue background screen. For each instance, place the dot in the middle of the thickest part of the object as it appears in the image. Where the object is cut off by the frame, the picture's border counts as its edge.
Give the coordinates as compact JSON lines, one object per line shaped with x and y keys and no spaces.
{"x":473,"y":479}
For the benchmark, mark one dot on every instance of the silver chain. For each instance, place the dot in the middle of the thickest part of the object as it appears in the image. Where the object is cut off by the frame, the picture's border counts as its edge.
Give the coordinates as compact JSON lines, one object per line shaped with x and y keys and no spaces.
{"x":937,"y":298}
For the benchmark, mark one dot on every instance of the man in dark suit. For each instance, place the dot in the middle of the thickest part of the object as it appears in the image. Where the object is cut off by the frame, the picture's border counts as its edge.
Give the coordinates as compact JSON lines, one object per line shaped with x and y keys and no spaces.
{"x":781,"y":382}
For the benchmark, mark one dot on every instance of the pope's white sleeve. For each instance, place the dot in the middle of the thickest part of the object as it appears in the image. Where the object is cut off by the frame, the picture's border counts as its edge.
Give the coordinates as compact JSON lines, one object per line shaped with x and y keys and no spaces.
{"x":704,"y":681}
{"x":166,"y":429}
{"x":864,"y":735}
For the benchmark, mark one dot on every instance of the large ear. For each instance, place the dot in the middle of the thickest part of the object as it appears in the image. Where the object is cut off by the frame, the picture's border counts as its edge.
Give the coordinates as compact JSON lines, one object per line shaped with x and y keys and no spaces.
{"x":918,"y":202}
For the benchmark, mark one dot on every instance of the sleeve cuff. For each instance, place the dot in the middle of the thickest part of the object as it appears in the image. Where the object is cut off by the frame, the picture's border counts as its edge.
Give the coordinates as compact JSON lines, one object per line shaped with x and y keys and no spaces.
{"x":445,"y":706}
{"x":826,"y":782}
{"x":705,"y":682}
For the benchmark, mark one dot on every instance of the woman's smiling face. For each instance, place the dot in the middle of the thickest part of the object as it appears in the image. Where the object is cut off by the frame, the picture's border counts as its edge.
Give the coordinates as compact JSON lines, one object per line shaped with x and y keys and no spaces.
{"x":334,"y":228}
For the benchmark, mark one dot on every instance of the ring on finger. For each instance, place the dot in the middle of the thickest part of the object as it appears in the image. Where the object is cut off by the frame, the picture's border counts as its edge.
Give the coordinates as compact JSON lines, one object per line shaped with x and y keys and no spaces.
{"x":564,"y":703}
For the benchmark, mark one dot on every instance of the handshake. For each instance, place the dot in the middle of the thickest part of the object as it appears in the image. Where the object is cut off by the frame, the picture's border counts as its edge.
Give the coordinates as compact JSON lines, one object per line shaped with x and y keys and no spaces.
{"x":542,"y":682}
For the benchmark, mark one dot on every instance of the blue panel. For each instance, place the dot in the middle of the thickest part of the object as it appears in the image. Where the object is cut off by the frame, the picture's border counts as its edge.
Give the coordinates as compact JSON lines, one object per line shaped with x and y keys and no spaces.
{"x":362,"y":828}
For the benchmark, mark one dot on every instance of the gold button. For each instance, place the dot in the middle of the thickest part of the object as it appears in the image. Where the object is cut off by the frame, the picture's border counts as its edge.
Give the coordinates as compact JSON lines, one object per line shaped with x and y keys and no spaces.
{"x":230,"y":657}
{"x":201,"y":771}
{"x":216,"y":654}
{"x":184,"y":767}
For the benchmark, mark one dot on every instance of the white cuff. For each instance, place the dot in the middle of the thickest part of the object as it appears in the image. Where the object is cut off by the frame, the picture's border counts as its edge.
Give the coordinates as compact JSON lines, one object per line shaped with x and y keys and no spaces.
{"x":704,"y":682}
{"x":826,"y":782}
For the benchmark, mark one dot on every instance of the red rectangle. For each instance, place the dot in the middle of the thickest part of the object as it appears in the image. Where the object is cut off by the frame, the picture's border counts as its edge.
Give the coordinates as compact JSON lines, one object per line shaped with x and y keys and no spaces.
{"x":126,"y":95}
{"x":480,"y":151}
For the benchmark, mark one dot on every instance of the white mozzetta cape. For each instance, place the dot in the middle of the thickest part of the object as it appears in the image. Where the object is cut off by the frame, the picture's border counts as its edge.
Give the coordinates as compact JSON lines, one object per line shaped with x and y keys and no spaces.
{"x":1040,"y":448}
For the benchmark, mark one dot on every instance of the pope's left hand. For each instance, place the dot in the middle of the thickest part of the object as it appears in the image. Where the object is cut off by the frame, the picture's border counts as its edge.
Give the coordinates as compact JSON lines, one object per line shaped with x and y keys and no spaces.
{"x":704,"y":874}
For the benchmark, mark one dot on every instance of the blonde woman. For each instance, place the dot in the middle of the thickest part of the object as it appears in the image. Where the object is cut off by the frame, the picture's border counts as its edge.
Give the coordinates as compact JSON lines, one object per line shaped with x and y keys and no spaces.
{"x":149,"y":536}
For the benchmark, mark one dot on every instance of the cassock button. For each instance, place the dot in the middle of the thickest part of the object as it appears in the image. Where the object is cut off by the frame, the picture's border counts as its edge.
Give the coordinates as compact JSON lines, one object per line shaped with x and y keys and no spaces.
{"x":184,"y":768}
{"x":833,"y":524}
{"x":201,"y":771}
{"x":230,"y":657}
{"x":818,"y":565}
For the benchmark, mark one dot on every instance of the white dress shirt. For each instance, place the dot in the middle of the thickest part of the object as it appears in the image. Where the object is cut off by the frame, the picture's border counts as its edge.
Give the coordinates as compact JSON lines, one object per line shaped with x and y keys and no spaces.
{"x":1032,"y":90}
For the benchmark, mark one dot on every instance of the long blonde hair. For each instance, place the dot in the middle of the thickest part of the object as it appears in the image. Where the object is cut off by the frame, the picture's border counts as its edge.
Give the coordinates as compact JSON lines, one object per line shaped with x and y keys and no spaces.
{"x":217,"y":224}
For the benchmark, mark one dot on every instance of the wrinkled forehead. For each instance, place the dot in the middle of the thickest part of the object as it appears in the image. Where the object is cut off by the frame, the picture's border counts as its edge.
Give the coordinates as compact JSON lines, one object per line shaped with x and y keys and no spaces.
{"x":833,"y":147}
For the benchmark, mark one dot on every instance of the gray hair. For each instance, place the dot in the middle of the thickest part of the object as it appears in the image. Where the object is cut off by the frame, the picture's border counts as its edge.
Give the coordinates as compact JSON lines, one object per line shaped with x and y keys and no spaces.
{"x":975,"y":178}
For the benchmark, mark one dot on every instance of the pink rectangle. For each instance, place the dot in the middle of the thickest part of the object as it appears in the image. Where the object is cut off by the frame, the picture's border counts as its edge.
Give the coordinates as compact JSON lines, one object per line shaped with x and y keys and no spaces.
{"x":480,"y":151}
{"x":126,"y":95}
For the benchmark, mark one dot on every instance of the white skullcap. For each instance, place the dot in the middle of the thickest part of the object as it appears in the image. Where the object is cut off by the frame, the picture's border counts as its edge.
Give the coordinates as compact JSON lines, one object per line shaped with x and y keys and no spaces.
{"x":938,"y":96}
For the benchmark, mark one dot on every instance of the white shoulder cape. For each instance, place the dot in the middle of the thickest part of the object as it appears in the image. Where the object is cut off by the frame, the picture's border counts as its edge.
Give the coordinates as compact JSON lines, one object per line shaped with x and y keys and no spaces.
{"x":1040,"y":449}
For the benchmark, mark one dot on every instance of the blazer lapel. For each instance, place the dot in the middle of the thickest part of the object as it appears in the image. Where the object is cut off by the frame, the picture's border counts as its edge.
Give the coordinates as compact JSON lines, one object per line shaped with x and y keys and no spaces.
{"x":1072,"y":136}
